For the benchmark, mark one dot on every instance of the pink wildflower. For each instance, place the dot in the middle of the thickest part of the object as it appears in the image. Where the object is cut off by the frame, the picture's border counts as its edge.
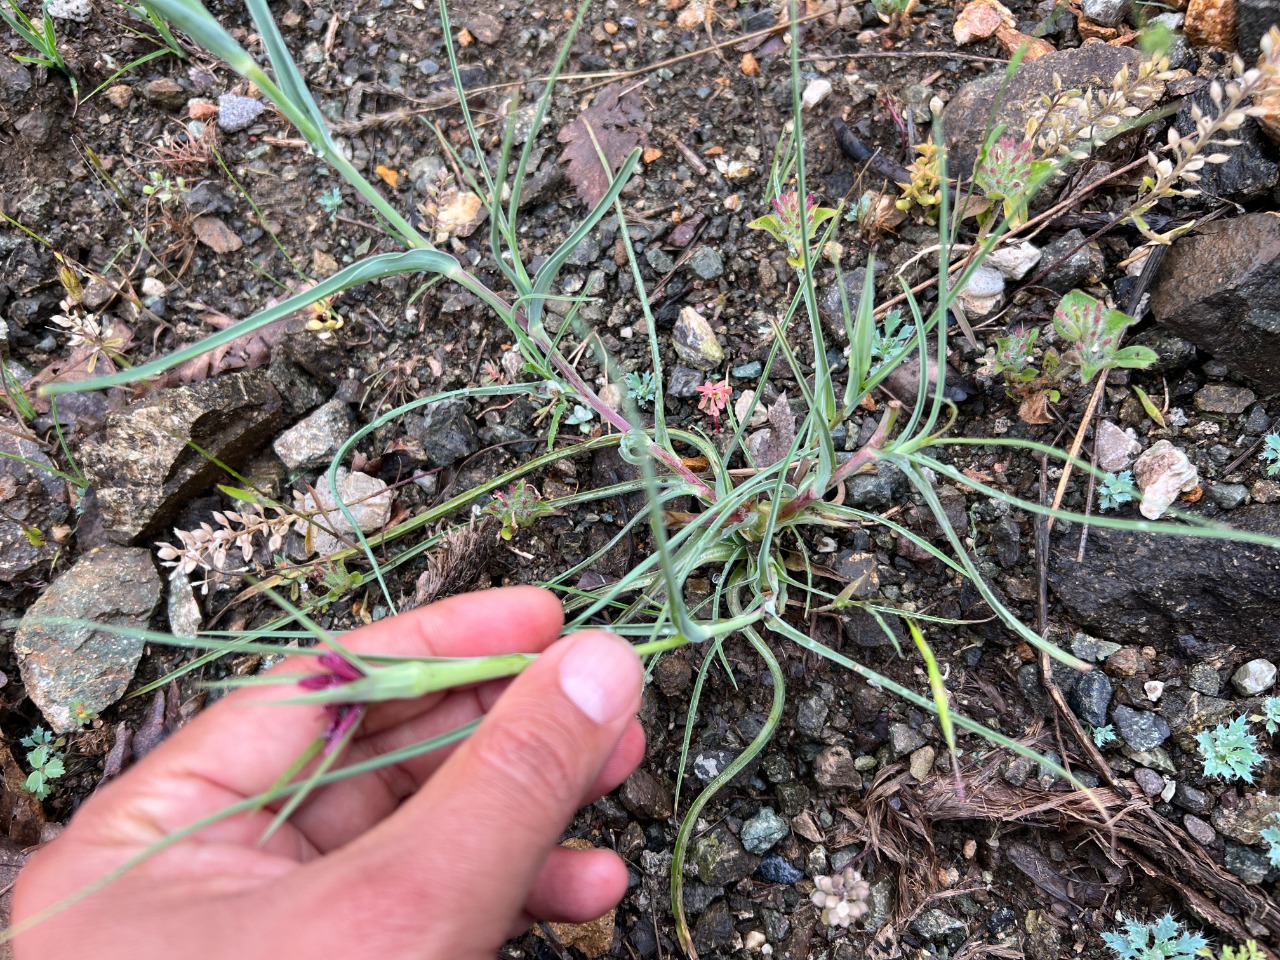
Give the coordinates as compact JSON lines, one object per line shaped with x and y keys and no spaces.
{"x":342,"y":716}
{"x":715,"y":397}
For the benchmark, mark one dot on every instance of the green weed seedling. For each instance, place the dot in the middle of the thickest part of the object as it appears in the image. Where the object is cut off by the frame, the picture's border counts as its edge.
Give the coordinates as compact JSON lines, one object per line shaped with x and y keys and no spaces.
{"x":45,"y":760}
{"x":40,"y":36}
{"x":1162,"y":940}
{"x":1229,"y":751}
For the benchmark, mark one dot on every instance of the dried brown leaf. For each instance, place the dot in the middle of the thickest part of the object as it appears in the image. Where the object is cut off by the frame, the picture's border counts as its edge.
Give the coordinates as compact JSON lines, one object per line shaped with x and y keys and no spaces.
{"x":617,"y":121}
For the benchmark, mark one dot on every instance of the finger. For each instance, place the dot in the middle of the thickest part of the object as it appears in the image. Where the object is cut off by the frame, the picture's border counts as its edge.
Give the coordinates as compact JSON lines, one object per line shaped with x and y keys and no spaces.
{"x":241,"y":745}
{"x":491,"y":815}
{"x":575,"y":886}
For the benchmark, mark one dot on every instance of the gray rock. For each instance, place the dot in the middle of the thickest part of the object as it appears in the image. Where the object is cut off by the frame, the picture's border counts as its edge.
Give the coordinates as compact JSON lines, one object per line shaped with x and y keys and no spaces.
{"x":714,"y":929}
{"x":970,"y":112}
{"x":71,"y":672}
{"x":645,"y":796}
{"x":141,"y":464}
{"x":1254,"y":677}
{"x":879,"y":490}
{"x":1253,"y":19}
{"x":858,"y":569}
{"x":1224,"y":398}
{"x":1200,"y":831}
{"x":1076,"y":260}
{"x":1204,"y":679}
{"x":719,"y":858}
{"x":19,"y":556}
{"x":811,"y":716}
{"x":1091,"y":698}
{"x":367,"y":498}
{"x":763,"y":831}
{"x":834,"y":767}
{"x":1150,"y":782}
{"x":660,"y":260}
{"x":922,"y":760}
{"x":699,"y":896}
{"x":1173,"y":353}
{"x":938,"y":926}
{"x":1134,"y":587}
{"x":1091,"y":649}
{"x":903,"y":739}
{"x":1108,"y":13}
{"x":1189,"y":714}
{"x":1116,"y":450}
{"x":1189,"y":798}
{"x":1245,"y":821}
{"x":315,"y":441}
{"x":1140,"y":729}
{"x":446,"y":432}
{"x":831,"y":306}
{"x":695,"y":342}
{"x":1248,"y":863}
{"x":1017,"y":771}
{"x":705,"y":263}
{"x":183,"y":608}
{"x":235,"y":113}
{"x":1220,"y":288}
{"x":684,"y":382}
{"x":1249,"y":169}
{"x":1228,"y":496}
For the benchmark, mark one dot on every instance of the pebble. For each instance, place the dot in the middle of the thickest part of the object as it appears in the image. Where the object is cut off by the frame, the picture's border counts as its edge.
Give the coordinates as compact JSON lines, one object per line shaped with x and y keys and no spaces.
{"x":1247,"y":863}
{"x":1154,"y":689}
{"x":1190,"y":798}
{"x":1200,"y":831}
{"x":764,"y":831}
{"x":1224,"y":399}
{"x":695,"y":342}
{"x":719,"y":858}
{"x":1140,"y":729}
{"x":235,"y":113}
{"x":445,"y":431}
{"x":811,"y":716}
{"x":983,"y":293}
{"x":1150,"y":782}
{"x":1203,"y":678}
{"x":834,"y":767}
{"x":1115,"y":448}
{"x":315,"y":441}
{"x":938,"y":926}
{"x":1091,"y":649}
{"x":903,"y":739}
{"x":705,"y":263}
{"x":1254,"y":677}
{"x":1091,"y":697}
{"x":773,"y":869}
{"x":1108,"y":13}
{"x":165,"y":93}
{"x":683,"y":382}
{"x":921,"y":765}
{"x":119,"y":95}
{"x":1123,"y":663}
{"x":1014,"y":263}
{"x":645,"y":796}
{"x":816,"y":91}
{"x":1162,"y":473}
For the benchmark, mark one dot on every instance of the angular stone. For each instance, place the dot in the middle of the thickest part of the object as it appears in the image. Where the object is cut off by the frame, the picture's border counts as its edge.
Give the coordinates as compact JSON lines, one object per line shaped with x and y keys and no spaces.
{"x":1091,"y":698}
{"x":833,"y":767}
{"x":860,"y":571}
{"x":446,"y":432}
{"x":1220,"y":288}
{"x":763,"y":831}
{"x":166,"y":93}
{"x":969,"y":113}
{"x":236,"y":113}
{"x":645,"y":796}
{"x":811,"y":716}
{"x":316,"y":440}
{"x":1136,"y":587}
{"x":1108,"y":13}
{"x":367,"y":498}
{"x":1204,"y":679}
{"x":1254,"y":677}
{"x":719,"y":858}
{"x":1162,"y":473}
{"x":142,"y":466}
{"x":1116,"y":450}
{"x":714,"y":929}
{"x":903,"y":739}
{"x":1245,"y":821}
{"x":1211,"y":23}
{"x":921,"y":765}
{"x":695,"y":342}
{"x":938,"y":926}
{"x":1224,"y":399}
{"x":1141,"y":730}
{"x":70,"y":671}
{"x":1248,"y":863}
{"x":705,"y":263}
{"x":1250,"y":168}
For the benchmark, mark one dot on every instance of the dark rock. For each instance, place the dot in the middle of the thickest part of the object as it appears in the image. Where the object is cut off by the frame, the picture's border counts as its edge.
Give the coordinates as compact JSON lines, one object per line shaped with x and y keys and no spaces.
{"x":773,"y":869}
{"x":1006,"y":537}
{"x":811,"y":716}
{"x":673,"y":676}
{"x":1249,"y":170}
{"x":316,"y":440}
{"x":1248,"y":863}
{"x":938,"y":926}
{"x":1223,"y":398}
{"x":831,"y":306}
{"x":719,"y":858}
{"x":1150,"y":782}
{"x":1204,"y":679}
{"x":1173,"y":353}
{"x":699,"y":896}
{"x":1228,"y":496}
{"x":1253,"y":19}
{"x":1189,"y":798}
{"x":71,"y":672}
{"x":1076,"y":261}
{"x":973,"y":110}
{"x":865,"y":630}
{"x":903,"y":739}
{"x":859,"y":570}
{"x":35,"y":127}
{"x":878,"y":490}
{"x":15,"y":80}
{"x":1220,"y":288}
{"x":646,"y":796}
{"x":1091,"y":698}
{"x":1189,"y":714}
{"x":446,"y":432}
{"x":1135,"y":586}
{"x":141,"y":465}
{"x":1245,"y":821}
{"x":1200,"y":831}
{"x":684,"y":382}
{"x":19,"y":557}
{"x":714,"y":929}
{"x":1140,"y":729}
{"x":705,"y":263}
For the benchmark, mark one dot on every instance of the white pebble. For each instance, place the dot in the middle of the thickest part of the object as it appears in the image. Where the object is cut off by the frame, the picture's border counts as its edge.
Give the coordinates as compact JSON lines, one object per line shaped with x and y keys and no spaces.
{"x":817,"y":91}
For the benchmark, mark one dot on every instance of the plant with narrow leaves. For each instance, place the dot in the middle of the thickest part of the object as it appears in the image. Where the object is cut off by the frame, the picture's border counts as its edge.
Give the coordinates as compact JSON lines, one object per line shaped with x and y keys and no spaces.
{"x":1163,"y":940}
{"x":1103,"y":735}
{"x":45,"y":760}
{"x":1116,"y":489}
{"x":1270,"y":716}
{"x":785,"y":225}
{"x":1229,"y":750}
{"x":516,"y":507}
{"x":1270,"y":454}
{"x":40,"y":37}
{"x":642,"y":387}
{"x":1094,"y":330}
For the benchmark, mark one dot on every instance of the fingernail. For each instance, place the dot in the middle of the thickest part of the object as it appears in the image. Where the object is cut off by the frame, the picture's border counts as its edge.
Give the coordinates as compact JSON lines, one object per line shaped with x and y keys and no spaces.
{"x":600,"y":674}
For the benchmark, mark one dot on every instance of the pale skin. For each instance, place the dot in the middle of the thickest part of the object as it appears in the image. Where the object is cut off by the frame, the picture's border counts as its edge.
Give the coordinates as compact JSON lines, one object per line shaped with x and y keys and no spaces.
{"x":445,"y":856}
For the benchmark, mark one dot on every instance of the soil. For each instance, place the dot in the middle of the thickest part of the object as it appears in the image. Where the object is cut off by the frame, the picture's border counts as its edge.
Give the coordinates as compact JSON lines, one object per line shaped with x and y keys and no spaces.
{"x":925,"y":840}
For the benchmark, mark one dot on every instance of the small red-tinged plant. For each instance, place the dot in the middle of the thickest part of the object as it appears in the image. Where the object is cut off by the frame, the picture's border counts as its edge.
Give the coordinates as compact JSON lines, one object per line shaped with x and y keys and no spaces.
{"x":518,"y":506}
{"x":715,"y":397}
{"x":342,"y":716}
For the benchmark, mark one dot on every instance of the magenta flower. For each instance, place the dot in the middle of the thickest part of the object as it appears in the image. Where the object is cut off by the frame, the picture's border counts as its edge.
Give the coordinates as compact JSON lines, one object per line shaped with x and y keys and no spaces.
{"x":342,"y":716}
{"x":715,"y":397}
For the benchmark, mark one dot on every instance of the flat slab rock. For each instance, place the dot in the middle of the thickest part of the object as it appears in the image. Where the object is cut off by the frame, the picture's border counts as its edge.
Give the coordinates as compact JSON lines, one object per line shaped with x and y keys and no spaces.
{"x":1140,"y":587}
{"x":1220,"y":289}
{"x":72,"y":671}
{"x":142,"y":466}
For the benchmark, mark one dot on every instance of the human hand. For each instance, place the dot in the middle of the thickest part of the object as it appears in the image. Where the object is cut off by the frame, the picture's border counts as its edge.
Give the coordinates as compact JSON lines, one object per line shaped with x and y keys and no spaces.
{"x":447,"y":855}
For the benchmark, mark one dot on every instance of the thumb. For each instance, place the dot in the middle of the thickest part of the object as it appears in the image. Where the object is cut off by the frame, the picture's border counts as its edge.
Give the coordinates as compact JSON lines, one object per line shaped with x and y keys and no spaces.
{"x":460,"y":857}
